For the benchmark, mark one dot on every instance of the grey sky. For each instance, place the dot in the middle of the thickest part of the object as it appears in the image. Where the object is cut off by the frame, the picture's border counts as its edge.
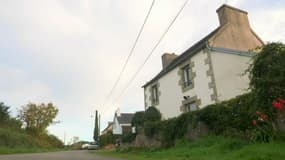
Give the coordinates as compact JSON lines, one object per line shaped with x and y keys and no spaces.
{"x":70,"y":52}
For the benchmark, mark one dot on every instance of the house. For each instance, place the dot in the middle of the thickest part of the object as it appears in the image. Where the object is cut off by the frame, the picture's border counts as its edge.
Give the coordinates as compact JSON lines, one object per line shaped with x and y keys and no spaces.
{"x":109,"y":128}
{"x":122,"y":123}
{"x":210,"y":71}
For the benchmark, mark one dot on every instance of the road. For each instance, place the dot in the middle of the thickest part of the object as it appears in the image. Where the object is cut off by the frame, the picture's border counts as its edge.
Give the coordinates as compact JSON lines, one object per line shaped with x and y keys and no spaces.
{"x":67,"y":155}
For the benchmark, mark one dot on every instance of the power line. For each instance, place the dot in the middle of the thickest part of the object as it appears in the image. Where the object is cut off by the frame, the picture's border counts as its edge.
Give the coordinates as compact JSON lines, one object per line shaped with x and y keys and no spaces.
{"x":131,"y":52}
{"x":152,"y":51}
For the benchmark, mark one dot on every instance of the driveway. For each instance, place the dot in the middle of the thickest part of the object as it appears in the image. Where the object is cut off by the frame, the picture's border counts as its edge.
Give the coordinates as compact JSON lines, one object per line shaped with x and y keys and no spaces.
{"x":67,"y":155}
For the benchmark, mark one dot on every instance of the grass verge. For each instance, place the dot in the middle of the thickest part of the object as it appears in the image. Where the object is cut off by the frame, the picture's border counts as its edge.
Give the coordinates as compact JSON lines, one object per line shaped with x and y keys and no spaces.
{"x":18,"y":150}
{"x":208,"y":148}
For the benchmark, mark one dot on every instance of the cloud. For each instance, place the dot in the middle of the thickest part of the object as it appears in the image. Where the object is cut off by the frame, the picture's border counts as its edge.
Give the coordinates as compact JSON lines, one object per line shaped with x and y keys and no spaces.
{"x":18,"y":86}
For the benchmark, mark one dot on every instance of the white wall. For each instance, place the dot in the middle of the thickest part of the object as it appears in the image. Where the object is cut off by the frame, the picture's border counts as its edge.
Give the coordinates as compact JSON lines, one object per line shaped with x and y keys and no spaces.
{"x":201,"y":81}
{"x":117,"y":129}
{"x":228,"y":70}
{"x":171,"y":96}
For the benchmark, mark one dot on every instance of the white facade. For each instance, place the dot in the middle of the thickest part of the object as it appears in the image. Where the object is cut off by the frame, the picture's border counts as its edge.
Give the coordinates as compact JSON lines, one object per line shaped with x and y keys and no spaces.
{"x":117,"y":128}
{"x":223,"y":71}
{"x":217,"y":62}
{"x":171,"y":94}
{"x":229,"y":72}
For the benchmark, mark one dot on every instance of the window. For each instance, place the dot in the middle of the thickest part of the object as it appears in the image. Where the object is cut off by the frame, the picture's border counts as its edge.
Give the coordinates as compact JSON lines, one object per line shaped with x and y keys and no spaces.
{"x":191,"y":107}
{"x":154,"y":93}
{"x":186,"y":76}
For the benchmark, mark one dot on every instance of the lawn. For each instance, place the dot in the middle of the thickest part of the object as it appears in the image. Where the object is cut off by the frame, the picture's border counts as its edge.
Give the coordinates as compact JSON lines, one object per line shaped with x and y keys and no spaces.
{"x":208,"y":148}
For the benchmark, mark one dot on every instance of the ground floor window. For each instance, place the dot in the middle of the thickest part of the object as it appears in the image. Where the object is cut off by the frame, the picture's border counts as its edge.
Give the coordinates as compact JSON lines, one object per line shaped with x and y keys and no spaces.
{"x":191,"y":107}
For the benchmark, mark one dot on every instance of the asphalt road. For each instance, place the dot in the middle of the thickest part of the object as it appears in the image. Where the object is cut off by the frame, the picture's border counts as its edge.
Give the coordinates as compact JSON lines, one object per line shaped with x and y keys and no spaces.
{"x":67,"y":155}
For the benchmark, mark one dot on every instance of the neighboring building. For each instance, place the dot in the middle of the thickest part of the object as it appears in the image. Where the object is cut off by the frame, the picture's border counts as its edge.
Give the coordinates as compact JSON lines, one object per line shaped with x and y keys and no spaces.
{"x":210,"y":71}
{"x":109,"y":128}
{"x":122,"y":123}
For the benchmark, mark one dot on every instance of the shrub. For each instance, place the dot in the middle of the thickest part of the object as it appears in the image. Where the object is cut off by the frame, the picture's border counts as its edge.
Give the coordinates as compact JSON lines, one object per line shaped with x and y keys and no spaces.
{"x":138,"y":121}
{"x":152,"y":114}
{"x":151,"y":128}
{"x":10,"y":138}
{"x":128,"y":137}
{"x":107,"y":138}
{"x":267,"y":76}
{"x":152,"y":119}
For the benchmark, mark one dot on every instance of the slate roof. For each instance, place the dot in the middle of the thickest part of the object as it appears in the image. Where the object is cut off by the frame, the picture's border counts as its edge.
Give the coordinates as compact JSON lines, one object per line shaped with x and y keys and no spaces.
{"x":184,"y":56}
{"x":125,"y":118}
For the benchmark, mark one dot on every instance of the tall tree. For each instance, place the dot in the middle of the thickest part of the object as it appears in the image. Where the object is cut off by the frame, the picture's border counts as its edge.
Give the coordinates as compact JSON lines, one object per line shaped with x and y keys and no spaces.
{"x":36,"y":118}
{"x":96,"y":128}
{"x":4,"y":112}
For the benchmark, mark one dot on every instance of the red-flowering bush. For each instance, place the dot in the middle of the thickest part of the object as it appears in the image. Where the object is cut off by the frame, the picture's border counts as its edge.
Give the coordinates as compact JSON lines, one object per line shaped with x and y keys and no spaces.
{"x":264,"y":127}
{"x":279,"y":104}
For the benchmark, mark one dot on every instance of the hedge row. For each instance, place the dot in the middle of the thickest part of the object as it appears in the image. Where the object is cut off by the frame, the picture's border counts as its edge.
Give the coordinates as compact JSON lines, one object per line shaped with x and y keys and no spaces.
{"x":231,"y":117}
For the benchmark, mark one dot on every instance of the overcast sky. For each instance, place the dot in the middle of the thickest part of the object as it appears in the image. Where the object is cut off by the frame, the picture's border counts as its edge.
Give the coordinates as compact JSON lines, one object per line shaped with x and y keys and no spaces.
{"x":70,"y":52}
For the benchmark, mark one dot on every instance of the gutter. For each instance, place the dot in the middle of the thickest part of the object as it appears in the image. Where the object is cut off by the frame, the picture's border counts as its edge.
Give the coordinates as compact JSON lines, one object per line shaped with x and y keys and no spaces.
{"x":230,"y":51}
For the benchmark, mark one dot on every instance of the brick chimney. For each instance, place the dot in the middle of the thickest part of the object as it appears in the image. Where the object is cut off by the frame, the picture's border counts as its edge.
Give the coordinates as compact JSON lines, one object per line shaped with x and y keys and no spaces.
{"x":167,"y":58}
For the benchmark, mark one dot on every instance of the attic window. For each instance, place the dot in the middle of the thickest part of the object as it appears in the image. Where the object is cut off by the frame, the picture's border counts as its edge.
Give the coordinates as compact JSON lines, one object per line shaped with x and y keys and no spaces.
{"x":187,"y":76}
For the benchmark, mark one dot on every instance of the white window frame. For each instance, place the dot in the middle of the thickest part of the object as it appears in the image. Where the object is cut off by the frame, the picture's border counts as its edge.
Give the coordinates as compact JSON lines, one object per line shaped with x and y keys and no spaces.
{"x":187,"y":76}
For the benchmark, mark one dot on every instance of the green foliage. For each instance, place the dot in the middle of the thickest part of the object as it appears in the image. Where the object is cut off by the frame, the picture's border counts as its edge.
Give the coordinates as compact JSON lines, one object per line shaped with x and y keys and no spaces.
{"x":96,"y":128}
{"x":267,"y":76}
{"x":37,"y":117}
{"x":4,"y":112}
{"x":13,"y":124}
{"x":231,"y":118}
{"x":6,"y":121}
{"x":138,"y":119}
{"x":49,"y":141}
{"x":207,"y":148}
{"x":217,"y":117}
{"x":152,"y":114}
{"x":151,"y":128}
{"x":108,"y":138}
{"x":128,"y":137}
{"x":10,"y":138}
{"x":13,"y":136}
{"x":152,"y":119}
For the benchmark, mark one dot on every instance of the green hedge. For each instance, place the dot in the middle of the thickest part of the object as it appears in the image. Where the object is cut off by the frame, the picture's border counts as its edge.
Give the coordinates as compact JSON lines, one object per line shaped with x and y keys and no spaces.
{"x":12,"y":139}
{"x":232,"y":118}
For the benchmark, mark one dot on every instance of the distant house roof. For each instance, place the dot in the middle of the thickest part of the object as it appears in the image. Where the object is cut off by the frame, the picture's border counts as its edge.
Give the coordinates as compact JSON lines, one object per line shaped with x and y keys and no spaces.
{"x":125,"y":118}
{"x":184,"y":56}
{"x":109,"y":127}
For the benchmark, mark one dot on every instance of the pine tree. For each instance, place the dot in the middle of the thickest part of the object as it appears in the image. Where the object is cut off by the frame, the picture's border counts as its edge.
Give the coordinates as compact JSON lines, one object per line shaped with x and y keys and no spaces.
{"x":96,"y":128}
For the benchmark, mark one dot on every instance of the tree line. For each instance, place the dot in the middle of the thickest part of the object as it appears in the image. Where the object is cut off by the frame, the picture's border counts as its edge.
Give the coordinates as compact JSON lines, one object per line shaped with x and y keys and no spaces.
{"x":31,"y":122}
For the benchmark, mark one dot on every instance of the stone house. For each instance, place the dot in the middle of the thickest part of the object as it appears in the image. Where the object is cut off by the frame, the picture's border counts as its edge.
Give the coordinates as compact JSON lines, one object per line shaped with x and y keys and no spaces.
{"x":210,"y":71}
